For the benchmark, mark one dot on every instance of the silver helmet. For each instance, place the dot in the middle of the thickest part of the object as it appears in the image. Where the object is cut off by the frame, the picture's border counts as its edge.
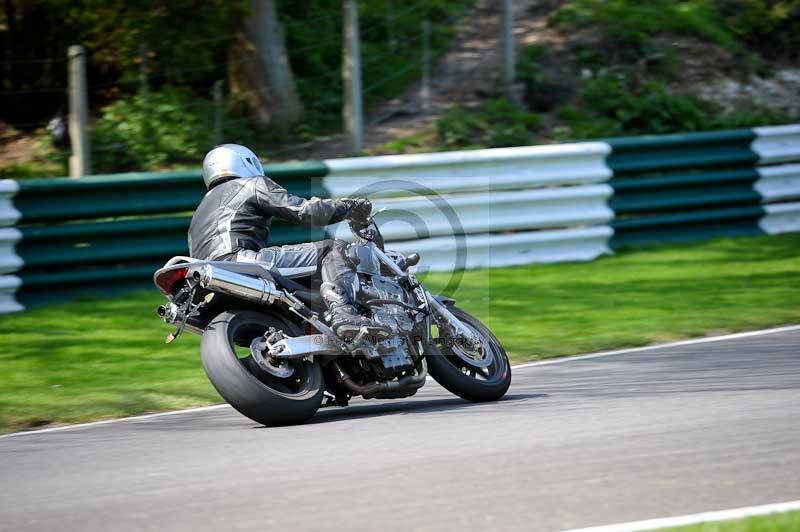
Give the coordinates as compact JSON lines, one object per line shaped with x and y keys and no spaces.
{"x":230,"y":161}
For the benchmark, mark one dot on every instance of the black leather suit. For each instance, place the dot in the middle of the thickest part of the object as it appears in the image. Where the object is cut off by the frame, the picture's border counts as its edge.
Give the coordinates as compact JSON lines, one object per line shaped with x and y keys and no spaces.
{"x":233,"y":223}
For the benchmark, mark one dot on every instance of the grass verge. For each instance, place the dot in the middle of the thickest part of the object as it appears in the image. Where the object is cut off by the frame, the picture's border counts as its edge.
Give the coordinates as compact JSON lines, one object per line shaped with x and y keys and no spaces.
{"x":106,"y":358}
{"x":782,"y":522}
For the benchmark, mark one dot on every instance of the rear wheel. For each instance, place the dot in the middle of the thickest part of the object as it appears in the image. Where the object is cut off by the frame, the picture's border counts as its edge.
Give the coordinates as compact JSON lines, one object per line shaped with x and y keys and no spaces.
{"x":260,"y":395}
{"x":475,"y":374}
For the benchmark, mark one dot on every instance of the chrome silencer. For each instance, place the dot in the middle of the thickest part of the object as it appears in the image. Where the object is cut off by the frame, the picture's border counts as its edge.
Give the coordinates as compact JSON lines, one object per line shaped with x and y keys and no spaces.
{"x":246,"y":287}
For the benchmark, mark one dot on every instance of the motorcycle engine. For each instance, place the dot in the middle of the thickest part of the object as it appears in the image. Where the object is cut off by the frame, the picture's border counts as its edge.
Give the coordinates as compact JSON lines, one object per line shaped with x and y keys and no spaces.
{"x":394,"y":317}
{"x":394,"y":355}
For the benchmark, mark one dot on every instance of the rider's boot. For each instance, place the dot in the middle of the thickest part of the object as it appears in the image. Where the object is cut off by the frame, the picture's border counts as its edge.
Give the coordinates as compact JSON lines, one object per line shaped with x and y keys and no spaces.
{"x":343,"y":317}
{"x":338,"y":290}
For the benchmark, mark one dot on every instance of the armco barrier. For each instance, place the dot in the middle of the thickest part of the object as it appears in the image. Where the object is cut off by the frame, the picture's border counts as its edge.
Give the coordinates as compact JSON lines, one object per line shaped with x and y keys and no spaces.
{"x":491,"y":212}
{"x":691,"y":186}
{"x":472,"y":209}
{"x":432,"y":199}
{"x":108,"y":232}
{"x":10,"y":262}
{"x":466,"y":171}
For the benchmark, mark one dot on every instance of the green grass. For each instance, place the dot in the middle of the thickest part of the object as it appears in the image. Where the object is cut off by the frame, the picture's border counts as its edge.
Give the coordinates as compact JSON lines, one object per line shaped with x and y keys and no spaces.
{"x":637,"y":298}
{"x":783,"y":522}
{"x":106,"y":358}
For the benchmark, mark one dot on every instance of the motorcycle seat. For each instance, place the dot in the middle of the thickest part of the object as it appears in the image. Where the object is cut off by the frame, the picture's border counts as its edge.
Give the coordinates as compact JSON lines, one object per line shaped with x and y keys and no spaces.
{"x":250,"y":268}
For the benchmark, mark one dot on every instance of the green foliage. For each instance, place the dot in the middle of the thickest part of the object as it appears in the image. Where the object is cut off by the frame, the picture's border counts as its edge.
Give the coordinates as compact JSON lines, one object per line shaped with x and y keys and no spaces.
{"x":497,"y":123}
{"x":748,"y":118}
{"x":612,"y":105}
{"x":187,"y":43}
{"x":770,"y":26}
{"x":583,"y":124}
{"x":414,"y":143}
{"x":138,"y":133}
{"x":649,"y":108}
{"x":631,"y":24}
{"x":529,"y":63}
{"x":458,"y":128}
{"x":545,"y":86}
{"x":184,"y":40}
{"x":391,"y":48}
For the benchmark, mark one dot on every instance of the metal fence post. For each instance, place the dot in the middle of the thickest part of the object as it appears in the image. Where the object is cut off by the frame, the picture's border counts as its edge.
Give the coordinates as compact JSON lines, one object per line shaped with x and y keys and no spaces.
{"x":507,"y":49}
{"x":352,"y":108}
{"x":218,"y":112}
{"x":390,"y":40}
{"x":425,"y":86}
{"x":79,"y":161}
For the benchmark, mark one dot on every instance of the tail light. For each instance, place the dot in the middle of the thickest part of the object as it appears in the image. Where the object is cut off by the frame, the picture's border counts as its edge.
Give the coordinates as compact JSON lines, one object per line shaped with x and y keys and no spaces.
{"x":167,"y":279}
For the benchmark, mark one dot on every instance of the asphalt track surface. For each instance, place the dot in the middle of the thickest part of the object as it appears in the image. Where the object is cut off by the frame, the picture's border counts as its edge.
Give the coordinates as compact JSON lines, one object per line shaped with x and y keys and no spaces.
{"x":670,"y":431}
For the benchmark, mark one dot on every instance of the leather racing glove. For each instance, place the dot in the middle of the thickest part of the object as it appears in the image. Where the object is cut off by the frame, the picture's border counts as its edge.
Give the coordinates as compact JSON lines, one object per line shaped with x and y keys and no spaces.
{"x":359,"y":209}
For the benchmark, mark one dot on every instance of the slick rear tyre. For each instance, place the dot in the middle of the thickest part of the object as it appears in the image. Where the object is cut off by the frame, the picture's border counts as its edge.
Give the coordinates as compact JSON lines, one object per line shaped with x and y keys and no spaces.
{"x":458,"y":376}
{"x":262,"y":397}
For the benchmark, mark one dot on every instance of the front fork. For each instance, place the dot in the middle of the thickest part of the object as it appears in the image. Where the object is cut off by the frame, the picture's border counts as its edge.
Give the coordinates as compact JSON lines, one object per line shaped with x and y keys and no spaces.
{"x":441,"y":312}
{"x":444,"y":314}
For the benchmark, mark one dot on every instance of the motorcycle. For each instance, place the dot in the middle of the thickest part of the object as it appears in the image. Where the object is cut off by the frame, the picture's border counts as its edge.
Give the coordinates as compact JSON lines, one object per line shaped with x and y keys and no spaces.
{"x":271,"y":356}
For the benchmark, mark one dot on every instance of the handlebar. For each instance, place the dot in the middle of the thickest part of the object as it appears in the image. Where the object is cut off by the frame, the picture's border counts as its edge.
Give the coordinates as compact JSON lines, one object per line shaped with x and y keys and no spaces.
{"x":368,"y":230}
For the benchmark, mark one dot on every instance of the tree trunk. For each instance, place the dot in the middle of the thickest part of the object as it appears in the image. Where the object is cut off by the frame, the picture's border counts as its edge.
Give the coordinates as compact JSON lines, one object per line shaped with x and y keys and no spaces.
{"x":259,"y":73}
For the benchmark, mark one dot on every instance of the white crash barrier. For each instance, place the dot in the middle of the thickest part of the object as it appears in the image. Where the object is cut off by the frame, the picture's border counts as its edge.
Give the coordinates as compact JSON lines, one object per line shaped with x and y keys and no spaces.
{"x":9,"y":284}
{"x":778,"y":183}
{"x":500,"y":168}
{"x":781,"y":218}
{"x":413,"y":218}
{"x":777,"y":144}
{"x":9,"y":260}
{"x":8,"y":214}
{"x":474,"y":209}
{"x":441,"y":254}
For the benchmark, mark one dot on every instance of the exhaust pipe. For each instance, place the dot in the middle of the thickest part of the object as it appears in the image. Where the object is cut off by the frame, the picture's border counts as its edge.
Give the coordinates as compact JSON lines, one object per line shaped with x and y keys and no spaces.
{"x":402,"y":387}
{"x":253,"y":289}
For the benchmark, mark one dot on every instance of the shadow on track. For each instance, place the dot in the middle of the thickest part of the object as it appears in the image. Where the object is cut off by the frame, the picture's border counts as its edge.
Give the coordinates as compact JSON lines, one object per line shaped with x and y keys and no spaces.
{"x":361,"y":410}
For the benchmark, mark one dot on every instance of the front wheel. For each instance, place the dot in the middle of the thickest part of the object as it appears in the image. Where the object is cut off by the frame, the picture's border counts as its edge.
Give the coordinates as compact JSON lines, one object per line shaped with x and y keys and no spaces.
{"x":478,"y":375}
{"x":263,"y":397}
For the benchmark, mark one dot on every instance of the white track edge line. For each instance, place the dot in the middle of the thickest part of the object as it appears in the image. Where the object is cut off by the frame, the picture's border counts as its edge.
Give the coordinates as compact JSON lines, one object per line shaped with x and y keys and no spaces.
{"x":694,"y":519}
{"x":679,"y":343}
{"x":562,"y":360}
{"x":115,"y":420}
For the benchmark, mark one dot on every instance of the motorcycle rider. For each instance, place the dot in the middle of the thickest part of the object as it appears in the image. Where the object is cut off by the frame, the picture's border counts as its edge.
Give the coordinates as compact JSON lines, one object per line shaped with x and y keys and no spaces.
{"x":233,"y":221}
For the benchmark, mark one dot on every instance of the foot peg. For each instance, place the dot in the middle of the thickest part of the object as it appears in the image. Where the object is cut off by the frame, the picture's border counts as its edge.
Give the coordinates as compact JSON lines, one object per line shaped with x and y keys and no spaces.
{"x":372,"y":333}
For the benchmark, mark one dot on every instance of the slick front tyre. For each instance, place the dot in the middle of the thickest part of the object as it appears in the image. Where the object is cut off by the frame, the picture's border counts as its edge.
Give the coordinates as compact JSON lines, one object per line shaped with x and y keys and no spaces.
{"x":481,"y":374}
{"x":257,"y":394}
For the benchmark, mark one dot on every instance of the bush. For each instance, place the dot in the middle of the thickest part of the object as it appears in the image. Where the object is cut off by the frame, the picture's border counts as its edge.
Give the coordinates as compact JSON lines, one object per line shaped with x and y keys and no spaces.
{"x":611,"y":106}
{"x":545,"y":85}
{"x":459,"y":128}
{"x":649,"y":108}
{"x":770,"y":26}
{"x":138,"y":133}
{"x":497,"y":123}
{"x":584,"y":124}
{"x":630,"y":25}
{"x":748,"y":118}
